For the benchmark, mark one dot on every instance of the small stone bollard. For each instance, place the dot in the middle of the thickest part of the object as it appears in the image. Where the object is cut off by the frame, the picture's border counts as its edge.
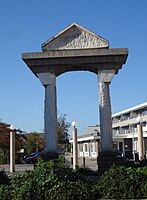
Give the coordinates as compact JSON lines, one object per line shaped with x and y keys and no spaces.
{"x":83,"y":161}
{"x":71,"y":160}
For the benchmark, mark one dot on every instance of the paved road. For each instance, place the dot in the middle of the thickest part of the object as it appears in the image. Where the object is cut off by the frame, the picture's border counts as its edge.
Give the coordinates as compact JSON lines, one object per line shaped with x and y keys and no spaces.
{"x":18,"y":167}
{"x":92,"y":164}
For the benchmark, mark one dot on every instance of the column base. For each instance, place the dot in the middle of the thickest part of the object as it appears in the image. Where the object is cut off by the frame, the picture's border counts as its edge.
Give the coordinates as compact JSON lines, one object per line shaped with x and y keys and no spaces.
{"x":106,"y":159}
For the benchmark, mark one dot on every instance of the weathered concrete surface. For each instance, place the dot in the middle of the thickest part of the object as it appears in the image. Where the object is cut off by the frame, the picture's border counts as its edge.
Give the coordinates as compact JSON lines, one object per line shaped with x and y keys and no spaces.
{"x":105,"y":117}
{"x":77,"y":49}
{"x":61,"y":61}
{"x":105,"y":78}
{"x":50,"y":111}
{"x":75,"y":37}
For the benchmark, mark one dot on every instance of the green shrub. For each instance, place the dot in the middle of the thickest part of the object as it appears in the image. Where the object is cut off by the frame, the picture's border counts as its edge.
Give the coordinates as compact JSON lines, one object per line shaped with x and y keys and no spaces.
{"x":31,"y":185}
{"x":3,"y":178}
{"x":122,"y":183}
{"x":2,"y":159}
{"x":4,"y":186}
{"x":49,"y":181}
{"x":5,"y":192}
{"x":56,"y":181}
{"x":71,"y":190}
{"x":85,"y":171}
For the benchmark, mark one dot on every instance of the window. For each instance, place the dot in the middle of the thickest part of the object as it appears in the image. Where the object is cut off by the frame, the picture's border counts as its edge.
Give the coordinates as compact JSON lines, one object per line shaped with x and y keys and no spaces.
{"x":114,"y":145}
{"x":93,"y":147}
{"x":121,"y":146}
{"x":86,"y":147}
{"x":81,"y":147}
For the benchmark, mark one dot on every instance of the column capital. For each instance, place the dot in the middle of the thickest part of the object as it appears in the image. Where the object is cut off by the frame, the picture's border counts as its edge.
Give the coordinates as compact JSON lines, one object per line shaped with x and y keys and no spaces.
{"x":47,"y":78}
{"x":106,"y":75}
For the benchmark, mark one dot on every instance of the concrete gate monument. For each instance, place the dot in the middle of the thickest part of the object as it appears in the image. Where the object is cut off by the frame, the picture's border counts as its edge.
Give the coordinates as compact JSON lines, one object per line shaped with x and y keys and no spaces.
{"x":76,"y":49}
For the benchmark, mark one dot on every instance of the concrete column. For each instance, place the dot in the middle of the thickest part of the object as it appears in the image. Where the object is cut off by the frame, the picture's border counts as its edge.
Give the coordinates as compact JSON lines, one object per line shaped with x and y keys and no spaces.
{"x":75,"y":149}
{"x":12,"y":151}
{"x":105,"y":78}
{"x":140,"y":142}
{"x":97,"y":148}
{"x":50,"y":111}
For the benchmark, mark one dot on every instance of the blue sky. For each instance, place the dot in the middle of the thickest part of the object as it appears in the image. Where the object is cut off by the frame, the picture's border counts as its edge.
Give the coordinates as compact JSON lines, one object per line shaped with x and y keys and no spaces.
{"x":25,"y":25}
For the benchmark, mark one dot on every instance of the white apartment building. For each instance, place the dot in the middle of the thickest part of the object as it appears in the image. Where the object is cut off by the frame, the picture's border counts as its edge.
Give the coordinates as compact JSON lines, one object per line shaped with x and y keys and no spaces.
{"x":124,"y":130}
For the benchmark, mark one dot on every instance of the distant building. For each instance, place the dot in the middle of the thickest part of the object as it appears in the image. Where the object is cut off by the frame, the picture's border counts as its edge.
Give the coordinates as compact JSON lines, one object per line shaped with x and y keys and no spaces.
{"x":124,"y":128}
{"x":124,"y":132}
{"x":88,"y":144}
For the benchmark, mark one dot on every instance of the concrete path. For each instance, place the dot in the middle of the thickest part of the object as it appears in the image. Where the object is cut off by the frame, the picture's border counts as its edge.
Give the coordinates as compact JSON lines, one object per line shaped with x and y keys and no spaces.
{"x":92,"y":164}
{"x":18,"y":167}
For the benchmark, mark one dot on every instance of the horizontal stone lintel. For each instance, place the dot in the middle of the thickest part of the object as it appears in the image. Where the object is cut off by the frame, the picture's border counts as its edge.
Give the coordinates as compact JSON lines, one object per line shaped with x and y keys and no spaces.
{"x":91,"y":60}
{"x":75,"y":60}
{"x":76,"y":53}
{"x":67,"y":68}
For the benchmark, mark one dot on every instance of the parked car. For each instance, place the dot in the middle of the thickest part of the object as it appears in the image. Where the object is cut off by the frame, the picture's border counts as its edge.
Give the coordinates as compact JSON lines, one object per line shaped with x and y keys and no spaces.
{"x":46,"y":156}
{"x":32,"y":158}
{"x":61,"y":151}
{"x":28,"y":155}
{"x":118,"y":153}
{"x":130,"y":155}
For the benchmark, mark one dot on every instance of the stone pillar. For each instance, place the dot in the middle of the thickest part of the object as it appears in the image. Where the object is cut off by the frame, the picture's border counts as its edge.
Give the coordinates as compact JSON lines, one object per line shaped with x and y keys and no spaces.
{"x":12,"y":151}
{"x":75,"y":149}
{"x":50,"y":111}
{"x":97,"y":148}
{"x":140,"y":141}
{"x":105,"y":78}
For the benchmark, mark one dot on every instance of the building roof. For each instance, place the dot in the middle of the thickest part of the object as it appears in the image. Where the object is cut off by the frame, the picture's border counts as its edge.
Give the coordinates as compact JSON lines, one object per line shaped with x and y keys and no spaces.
{"x":134,"y":108}
{"x":92,"y":133}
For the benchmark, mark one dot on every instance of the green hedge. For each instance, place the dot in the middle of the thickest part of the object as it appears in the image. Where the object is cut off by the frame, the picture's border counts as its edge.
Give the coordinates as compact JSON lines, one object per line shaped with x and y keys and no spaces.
{"x":5,"y":192}
{"x":4,"y":186}
{"x":2,"y":159}
{"x":54,"y":181}
{"x":49,"y":181}
{"x":4,"y":180}
{"x":123,"y":183}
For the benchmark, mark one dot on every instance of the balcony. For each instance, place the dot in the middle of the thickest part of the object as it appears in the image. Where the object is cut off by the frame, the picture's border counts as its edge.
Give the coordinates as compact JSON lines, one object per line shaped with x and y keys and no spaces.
{"x":126,"y":122}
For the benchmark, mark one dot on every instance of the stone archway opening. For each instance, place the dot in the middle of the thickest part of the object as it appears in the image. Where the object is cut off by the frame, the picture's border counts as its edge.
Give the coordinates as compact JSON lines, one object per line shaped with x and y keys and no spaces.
{"x":77,"y":97}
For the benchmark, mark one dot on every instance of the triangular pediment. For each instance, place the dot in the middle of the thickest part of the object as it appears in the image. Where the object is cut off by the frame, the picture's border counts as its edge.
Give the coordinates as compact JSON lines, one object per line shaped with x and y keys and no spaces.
{"x":75,"y":37}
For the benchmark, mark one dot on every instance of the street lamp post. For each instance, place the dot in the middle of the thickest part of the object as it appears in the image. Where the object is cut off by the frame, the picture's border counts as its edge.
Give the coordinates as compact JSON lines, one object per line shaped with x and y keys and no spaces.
{"x":12,"y":149}
{"x":75,"y":148}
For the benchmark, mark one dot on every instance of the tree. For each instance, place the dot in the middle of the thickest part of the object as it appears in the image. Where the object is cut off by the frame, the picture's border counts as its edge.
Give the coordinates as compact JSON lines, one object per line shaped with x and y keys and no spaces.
{"x":62,"y":129}
{"x":20,"y":139}
{"x":35,"y":142}
{"x":5,"y":140}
